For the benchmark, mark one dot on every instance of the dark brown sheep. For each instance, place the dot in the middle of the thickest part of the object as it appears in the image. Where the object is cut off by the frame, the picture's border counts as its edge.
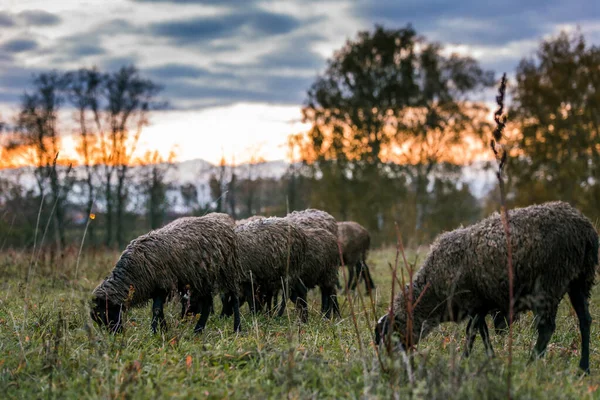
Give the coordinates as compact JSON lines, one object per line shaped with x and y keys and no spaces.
{"x":355,"y":242}
{"x":195,"y":252}
{"x":555,"y":251}
{"x":271,"y":251}
{"x":319,"y":269}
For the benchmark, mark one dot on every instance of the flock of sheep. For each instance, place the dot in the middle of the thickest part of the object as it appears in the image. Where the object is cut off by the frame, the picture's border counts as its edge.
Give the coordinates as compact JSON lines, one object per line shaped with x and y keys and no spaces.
{"x":245,"y":261}
{"x":464,"y":276}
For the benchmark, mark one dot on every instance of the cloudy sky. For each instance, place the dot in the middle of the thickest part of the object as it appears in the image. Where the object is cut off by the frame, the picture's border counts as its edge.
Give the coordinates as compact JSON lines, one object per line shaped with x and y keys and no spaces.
{"x":236,"y":71}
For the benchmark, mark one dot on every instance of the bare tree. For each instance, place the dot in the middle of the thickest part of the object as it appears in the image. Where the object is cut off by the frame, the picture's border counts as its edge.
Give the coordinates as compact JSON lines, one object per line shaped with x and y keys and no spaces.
{"x":84,"y":88}
{"x":154,"y":186}
{"x":38,"y":130}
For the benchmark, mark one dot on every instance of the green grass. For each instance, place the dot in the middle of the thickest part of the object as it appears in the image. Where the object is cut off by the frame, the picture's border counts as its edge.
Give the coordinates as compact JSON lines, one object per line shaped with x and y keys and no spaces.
{"x":49,"y":348}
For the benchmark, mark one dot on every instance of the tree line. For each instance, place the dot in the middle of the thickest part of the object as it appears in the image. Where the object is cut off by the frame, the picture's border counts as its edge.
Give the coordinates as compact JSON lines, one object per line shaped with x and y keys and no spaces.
{"x":393,"y":117}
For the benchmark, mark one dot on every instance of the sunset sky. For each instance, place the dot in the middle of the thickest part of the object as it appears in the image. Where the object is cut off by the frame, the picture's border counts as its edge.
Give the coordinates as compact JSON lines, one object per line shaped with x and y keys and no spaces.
{"x":236,"y":72}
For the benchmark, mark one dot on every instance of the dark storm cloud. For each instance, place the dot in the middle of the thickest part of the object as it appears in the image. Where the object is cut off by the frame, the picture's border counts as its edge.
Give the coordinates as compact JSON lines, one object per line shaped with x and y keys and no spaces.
{"x":19,"y":45}
{"x":476,"y":22}
{"x":6,"y":20}
{"x":83,"y":50}
{"x":174,"y":71}
{"x":39,"y":18}
{"x":202,"y":2}
{"x":280,"y":90}
{"x":252,"y":23}
{"x":115,"y":63}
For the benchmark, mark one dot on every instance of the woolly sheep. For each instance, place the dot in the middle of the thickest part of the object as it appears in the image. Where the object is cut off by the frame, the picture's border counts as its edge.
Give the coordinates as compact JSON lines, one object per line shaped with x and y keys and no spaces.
{"x":555,"y":251}
{"x":319,"y":269}
{"x":355,"y":242}
{"x":270,"y":250}
{"x":198,"y":252}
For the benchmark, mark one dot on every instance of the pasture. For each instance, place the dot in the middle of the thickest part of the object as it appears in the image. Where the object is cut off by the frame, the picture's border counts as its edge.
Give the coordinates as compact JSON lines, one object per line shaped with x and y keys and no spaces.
{"x":50,"y":348}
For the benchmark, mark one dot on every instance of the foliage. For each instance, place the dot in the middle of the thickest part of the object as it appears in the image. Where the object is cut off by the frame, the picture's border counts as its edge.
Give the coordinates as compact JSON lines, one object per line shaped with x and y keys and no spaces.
{"x":389,"y":109}
{"x":555,"y":110}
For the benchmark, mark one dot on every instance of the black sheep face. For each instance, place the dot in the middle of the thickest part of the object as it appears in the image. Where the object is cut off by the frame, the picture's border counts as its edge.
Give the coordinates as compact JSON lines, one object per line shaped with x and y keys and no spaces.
{"x":108,"y":314}
{"x":382,"y":330}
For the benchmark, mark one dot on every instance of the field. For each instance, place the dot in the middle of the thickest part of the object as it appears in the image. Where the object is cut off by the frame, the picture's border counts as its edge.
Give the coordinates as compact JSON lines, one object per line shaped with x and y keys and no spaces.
{"x":49,"y":348}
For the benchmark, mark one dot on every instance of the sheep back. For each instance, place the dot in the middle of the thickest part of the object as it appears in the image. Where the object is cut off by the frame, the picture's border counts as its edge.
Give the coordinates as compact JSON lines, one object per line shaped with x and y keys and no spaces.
{"x":270,"y":248}
{"x":312,"y":218}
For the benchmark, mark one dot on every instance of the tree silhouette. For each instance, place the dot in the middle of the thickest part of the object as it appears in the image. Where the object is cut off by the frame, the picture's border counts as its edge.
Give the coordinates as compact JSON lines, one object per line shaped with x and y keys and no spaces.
{"x":556,"y":111}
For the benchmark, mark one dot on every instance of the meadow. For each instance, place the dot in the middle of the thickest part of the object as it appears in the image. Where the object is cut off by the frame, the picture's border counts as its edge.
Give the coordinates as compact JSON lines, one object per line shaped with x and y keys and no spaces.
{"x":50,"y":348}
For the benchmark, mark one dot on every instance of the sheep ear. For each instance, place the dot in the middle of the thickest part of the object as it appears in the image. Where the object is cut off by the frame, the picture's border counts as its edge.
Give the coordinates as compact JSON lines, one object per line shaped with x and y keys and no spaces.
{"x":381,"y":329}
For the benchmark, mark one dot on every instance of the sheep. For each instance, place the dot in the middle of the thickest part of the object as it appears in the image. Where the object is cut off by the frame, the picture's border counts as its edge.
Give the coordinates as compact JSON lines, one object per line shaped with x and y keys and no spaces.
{"x":195,"y":252}
{"x":355,"y":242}
{"x":555,"y":251}
{"x":192,"y":305}
{"x":319,"y":269}
{"x":270,"y":249}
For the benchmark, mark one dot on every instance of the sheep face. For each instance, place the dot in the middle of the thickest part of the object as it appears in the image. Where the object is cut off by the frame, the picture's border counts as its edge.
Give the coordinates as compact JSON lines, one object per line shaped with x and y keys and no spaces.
{"x":105,"y":313}
{"x":382,"y":330}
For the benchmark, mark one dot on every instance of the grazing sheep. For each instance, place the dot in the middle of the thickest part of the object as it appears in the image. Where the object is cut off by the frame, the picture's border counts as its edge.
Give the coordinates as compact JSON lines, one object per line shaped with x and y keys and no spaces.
{"x":194,"y":252}
{"x":319,"y":269}
{"x":555,"y":251}
{"x":355,"y":242}
{"x":270,"y":249}
{"x":312,"y":218}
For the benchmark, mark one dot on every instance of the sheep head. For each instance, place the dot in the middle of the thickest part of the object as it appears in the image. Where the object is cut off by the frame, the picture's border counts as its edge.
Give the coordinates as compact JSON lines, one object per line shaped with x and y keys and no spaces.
{"x":108,"y":314}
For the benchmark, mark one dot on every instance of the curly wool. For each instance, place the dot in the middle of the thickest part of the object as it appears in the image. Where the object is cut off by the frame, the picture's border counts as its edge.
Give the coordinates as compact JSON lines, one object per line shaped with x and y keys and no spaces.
{"x":272,"y":249}
{"x":554,"y":247}
{"x":196,"y":251}
{"x":246,"y":220}
{"x":312,"y":218}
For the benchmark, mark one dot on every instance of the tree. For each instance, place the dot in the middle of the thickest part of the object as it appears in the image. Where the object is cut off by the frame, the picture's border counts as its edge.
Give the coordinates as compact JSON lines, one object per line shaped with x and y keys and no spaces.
{"x":217,"y":185}
{"x":389,"y":98}
{"x":556,"y":110}
{"x":38,"y":130}
{"x":84,"y":88}
{"x":155,"y":187}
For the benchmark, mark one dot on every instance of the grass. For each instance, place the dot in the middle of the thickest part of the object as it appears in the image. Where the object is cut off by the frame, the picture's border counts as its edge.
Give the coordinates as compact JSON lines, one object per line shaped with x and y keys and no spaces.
{"x":49,"y":348}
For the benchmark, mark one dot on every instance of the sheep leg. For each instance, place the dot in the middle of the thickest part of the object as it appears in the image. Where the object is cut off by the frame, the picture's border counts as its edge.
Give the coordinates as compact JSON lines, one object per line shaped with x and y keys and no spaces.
{"x":485,"y":335}
{"x":369,"y":284}
{"x":350,"y":278}
{"x":282,"y":304}
{"x":158,"y":314}
{"x":580,"y":304}
{"x":357,"y":275}
{"x":227,"y":309}
{"x":204,"y":312}
{"x":324,"y":301}
{"x":545,"y":327}
{"x":302,"y":305}
{"x":269,"y":302}
{"x":336,"y":305}
{"x":236,"y":313}
{"x":471,"y":335}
